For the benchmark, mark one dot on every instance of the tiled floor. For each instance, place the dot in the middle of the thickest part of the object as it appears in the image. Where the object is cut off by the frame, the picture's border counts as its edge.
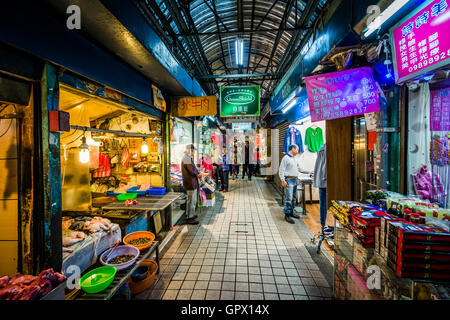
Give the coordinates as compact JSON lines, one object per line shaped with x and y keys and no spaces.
{"x":238,"y":251}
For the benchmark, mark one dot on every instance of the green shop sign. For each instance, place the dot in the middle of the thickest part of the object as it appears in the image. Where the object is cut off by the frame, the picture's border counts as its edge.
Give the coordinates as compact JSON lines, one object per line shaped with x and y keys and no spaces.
{"x":239,"y":101}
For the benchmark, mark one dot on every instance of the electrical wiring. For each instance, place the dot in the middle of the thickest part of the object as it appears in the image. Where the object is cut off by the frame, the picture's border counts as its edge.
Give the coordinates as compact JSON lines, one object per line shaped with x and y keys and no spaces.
{"x":4,"y":106}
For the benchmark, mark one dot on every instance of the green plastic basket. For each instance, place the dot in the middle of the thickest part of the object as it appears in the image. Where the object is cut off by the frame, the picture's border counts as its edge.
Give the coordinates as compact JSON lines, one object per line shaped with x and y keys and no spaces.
{"x":126,"y":196}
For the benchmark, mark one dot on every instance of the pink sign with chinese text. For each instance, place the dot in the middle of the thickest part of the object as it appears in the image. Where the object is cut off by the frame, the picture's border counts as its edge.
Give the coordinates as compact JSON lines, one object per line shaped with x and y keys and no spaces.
{"x":342,"y":94}
{"x":422,"y":42}
{"x":440,"y":109}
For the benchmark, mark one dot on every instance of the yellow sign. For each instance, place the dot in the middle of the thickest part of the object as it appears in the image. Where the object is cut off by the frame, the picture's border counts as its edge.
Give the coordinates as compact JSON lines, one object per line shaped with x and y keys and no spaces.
{"x":195,"y":106}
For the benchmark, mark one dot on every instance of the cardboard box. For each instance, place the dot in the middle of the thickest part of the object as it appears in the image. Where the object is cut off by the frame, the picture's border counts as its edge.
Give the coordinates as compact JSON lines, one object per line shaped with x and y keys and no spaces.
{"x":377,"y":240}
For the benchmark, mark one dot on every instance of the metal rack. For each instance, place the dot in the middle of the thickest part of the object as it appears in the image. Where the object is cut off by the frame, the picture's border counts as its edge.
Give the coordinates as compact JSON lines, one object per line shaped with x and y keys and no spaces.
{"x":120,"y":278}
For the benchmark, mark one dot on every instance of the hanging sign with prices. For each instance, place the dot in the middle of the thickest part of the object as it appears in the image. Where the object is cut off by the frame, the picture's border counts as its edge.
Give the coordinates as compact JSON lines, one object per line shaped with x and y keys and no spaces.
{"x":421,"y":40}
{"x":440,"y":109}
{"x":342,"y":94}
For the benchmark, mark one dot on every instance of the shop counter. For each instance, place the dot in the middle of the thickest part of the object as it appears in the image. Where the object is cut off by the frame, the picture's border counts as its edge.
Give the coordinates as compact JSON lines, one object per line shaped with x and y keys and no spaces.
{"x":149,"y":206}
{"x":85,"y":253}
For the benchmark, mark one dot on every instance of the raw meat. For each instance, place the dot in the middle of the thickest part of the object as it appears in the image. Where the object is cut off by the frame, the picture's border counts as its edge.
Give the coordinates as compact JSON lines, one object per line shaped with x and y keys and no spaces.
{"x":4,"y":281}
{"x":27,"y":287}
{"x":72,"y":237}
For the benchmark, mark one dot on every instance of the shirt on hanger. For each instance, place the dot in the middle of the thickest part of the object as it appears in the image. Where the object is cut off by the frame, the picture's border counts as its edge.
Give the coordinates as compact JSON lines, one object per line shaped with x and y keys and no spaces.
{"x":314,"y":139}
{"x":293,"y":136}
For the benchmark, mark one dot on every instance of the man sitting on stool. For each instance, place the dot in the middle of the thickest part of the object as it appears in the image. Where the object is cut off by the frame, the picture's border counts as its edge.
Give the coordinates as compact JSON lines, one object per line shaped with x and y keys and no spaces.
{"x":289,"y":171}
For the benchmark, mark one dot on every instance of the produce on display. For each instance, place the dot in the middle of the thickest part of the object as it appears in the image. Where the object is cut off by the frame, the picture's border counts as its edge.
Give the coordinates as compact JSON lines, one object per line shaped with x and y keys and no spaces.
{"x":139,"y":241}
{"x":121,"y":259}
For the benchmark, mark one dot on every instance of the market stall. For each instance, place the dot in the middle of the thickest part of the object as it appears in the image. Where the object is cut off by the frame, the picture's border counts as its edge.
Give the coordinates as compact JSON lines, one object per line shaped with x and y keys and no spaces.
{"x":113,"y":185}
{"x":395,"y":249}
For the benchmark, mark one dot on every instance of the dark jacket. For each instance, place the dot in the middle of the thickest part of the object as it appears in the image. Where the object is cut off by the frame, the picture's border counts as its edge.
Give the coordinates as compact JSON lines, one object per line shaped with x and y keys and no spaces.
{"x":189,"y":172}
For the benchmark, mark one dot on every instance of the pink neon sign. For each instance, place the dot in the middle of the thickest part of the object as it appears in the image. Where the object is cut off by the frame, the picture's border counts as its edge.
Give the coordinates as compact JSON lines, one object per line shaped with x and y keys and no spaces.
{"x":422,"y":42}
{"x":342,"y":94}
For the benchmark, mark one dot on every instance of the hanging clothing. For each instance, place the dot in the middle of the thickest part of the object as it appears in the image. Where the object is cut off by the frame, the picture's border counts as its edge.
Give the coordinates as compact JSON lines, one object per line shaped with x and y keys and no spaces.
{"x":314,"y":139}
{"x":292,"y":136}
{"x":320,"y":168}
{"x":104,"y":168}
{"x":428,"y":186}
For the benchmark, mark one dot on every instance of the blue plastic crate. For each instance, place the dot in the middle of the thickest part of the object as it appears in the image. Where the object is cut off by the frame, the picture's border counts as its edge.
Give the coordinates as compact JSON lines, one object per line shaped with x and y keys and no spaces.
{"x":157,"y":191}
{"x":112,"y":194}
{"x":135,"y":190}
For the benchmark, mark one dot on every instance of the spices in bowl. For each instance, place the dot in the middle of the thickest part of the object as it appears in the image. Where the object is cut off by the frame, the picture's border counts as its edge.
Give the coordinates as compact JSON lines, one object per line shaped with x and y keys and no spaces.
{"x":121,"y":259}
{"x":139,"y":241}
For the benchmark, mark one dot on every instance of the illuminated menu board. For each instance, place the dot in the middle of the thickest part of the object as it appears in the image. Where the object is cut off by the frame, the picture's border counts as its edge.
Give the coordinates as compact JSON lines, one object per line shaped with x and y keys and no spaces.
{"x":342,"y":94}
{"x":440,"y":109}
{"x":422,"y":41}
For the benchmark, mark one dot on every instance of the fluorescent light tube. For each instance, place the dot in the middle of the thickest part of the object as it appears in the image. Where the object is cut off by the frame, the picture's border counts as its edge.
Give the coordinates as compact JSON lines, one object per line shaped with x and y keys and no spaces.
{"x":236,"y":52}
{"x":242,"y":53}
{"x":289,"y":105}
{"x":384,"y":16}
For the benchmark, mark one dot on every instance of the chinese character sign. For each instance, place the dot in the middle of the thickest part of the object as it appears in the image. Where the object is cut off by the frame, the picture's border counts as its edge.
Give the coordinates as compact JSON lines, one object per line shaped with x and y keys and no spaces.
{"x":422,"y":42}
{"x":440,"y":109}
{"x":194,"y":106}
{"x":239,"y":101}
{"x":342,"y":94}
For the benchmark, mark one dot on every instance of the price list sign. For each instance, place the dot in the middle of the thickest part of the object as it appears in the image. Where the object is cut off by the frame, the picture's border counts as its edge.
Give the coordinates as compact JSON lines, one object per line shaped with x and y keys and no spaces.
{"x":342,"y":94}
{"x":440,"y":109}
{"x":422,"y":41}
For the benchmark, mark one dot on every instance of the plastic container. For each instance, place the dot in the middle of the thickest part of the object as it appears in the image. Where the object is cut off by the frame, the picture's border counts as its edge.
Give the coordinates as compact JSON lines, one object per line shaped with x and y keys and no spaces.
{"x":157,"y":191}
{"x":138,"y":287}
{"x":136,"y":190}
{"x":98,"y":279}
{"x":140,"y":274}
{"x":119,"y":251}
{"x":126,"y":196}
{"x":112,"y":194}
{"x":139,"y":234}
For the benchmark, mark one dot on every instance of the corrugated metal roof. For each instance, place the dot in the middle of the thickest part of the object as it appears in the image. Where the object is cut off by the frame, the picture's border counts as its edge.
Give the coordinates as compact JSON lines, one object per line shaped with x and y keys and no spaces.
{"x":201,"y":34}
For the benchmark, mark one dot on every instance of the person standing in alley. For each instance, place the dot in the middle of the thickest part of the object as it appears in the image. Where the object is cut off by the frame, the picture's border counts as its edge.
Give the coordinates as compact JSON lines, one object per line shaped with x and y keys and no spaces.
{"x":320,"y":181}
{"x":190,"y":176}
{"x":248,"y":167}
{"x":257,"y":160}
{"x":288,"y":172}
{"x":225,"y":170}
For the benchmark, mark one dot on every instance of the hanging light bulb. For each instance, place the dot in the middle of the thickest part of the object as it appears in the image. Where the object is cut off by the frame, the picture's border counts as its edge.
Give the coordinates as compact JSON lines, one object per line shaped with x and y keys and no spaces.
{"x":84,"y":152}
{"x":144,"y":147}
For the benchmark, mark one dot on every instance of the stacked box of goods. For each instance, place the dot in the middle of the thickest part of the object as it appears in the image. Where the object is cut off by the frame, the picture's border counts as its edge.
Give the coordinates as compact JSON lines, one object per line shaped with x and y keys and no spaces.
{"x":419,"y":251}
{"x":363,"y":221}
{"x":362,"y":257}
{"x":341,"y":209}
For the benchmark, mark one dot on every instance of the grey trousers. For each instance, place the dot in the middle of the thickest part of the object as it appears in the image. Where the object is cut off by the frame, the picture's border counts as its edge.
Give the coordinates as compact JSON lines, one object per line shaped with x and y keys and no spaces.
{"x":191,"y":202}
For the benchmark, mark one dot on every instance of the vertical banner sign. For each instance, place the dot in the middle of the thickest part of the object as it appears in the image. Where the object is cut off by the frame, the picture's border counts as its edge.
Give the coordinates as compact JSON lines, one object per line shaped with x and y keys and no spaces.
{"x":342,"y":94}
{"x":239,"y":101}
{"x":194,"y":106}
{"x":440,"y":109}
{"x":421,"y":41}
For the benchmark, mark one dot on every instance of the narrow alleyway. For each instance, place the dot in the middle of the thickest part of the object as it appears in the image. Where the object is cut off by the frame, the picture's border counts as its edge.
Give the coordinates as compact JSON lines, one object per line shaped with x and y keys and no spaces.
{"x":239,"y":251}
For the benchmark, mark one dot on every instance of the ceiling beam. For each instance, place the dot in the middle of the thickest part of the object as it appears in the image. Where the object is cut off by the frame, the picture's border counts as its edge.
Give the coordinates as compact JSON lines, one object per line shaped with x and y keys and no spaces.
{"x":238,"y":75}
{"x":243,"y":32}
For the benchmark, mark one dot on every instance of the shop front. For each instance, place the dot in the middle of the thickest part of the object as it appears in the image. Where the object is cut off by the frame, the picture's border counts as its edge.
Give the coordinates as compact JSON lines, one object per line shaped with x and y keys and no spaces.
{"x":113,"y":177}
{"x":392,"y":242}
